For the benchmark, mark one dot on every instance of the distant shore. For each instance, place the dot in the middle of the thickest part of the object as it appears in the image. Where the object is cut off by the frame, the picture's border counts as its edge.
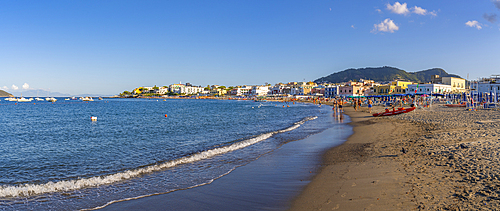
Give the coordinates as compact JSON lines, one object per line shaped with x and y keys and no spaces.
{"x":430,"y":159}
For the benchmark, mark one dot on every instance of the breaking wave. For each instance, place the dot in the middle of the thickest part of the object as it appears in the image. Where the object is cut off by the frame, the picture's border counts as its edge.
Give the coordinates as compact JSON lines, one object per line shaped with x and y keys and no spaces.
{"x":71,"y":185}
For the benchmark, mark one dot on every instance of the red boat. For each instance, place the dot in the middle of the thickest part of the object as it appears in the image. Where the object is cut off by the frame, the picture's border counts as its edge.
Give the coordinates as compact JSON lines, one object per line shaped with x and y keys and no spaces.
{"x":455,"y":105}
{"x":394,"y":112}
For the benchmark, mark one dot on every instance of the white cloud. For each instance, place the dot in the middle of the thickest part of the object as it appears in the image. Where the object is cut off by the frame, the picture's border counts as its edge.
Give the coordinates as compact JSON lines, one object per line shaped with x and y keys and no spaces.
{"x":385,"y":26}
{"x":330,"y":9}
{"x":402,"y":9}
{"x":398,"y":8}
{"x":422,"y":11}
{"x":26,"y":86}
{"x":14,"y":87}
{"x":474,"y":24}
{"x":352,"y":26}
{"x":5,"y":88}
{"x":379,"y":11}
{"x":419,"y":10}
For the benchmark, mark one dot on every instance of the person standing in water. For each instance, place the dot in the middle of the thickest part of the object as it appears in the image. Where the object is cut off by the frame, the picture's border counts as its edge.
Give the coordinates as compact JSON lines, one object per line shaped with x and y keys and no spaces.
{"x":340,"y":104}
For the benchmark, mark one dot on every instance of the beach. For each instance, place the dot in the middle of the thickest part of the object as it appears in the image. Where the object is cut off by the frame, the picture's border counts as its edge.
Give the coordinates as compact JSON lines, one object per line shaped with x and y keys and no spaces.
{"x":435,"y":158}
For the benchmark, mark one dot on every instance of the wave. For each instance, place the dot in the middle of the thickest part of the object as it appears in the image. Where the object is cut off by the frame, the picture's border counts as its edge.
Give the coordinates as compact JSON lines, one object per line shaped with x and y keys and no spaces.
{"x":71,"y":185}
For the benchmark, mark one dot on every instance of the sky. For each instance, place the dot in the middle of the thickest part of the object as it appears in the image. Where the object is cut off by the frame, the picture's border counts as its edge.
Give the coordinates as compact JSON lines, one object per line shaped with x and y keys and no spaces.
{"x":107,"y":47}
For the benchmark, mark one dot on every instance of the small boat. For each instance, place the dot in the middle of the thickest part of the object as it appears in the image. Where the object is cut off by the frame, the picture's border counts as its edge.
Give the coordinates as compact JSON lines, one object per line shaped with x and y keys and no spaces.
{"x":22,"y":99}
{"x":88,"y":99}
{"x":455,"y":105}
{"x":37,"y":98}
{"x":12,"y":99}
{"x":51,"y":99}
{"x":394,"y":112}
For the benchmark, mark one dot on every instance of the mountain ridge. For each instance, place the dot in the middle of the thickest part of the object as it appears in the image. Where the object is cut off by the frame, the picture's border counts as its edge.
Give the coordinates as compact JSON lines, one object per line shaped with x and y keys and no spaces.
{"x":386,"y":73}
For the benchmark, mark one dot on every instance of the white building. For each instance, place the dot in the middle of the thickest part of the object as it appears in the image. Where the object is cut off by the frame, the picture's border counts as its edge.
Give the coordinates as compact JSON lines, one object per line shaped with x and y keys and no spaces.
{"x":241,"y":91}
{"x":297,"y":91}
{"x":332,"y":91}
{"x":279,"y":89}
{"x":259,"y":90}
{"x":185,"y":89}
{"x":177,"y":88}
{"x":428,"y":89}
{"x":488,"y":87}
{"x":163,"y":90}
{"x":191,"y":90}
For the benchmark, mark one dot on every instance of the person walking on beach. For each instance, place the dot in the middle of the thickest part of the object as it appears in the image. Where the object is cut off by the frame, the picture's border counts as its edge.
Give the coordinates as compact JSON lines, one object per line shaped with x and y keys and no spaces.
{"x":359,"y":104}
{"x":355,"y":104}
{"x":340,"y":104}
{"x":370,"y":105}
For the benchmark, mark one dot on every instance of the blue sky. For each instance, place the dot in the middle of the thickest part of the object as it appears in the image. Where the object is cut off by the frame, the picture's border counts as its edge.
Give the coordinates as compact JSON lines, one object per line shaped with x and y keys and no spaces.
{"x":106,"y":47}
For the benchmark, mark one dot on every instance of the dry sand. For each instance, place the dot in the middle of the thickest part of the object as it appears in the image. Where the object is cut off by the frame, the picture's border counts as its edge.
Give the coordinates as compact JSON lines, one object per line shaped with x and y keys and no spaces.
{"x":451,"y":163}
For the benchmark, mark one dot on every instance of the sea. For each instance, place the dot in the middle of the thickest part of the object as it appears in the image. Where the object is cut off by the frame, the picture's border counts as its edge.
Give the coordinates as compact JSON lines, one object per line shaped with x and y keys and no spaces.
{"x":53,"y":156}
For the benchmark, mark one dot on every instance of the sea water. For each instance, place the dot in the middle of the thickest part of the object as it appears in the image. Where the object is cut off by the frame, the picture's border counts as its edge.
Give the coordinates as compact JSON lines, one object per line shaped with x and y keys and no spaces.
{"x":53,"y":156}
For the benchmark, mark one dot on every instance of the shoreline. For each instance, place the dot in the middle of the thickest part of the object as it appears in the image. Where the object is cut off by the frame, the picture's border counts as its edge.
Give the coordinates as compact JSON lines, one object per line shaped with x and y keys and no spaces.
{"x":354,"y":176}
{"x":450,"y":161}
{"x":267,"y":183}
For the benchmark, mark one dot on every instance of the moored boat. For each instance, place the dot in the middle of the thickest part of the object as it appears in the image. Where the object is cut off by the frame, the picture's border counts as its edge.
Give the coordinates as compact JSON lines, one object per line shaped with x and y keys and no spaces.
{"x":88,"y":99}
{"x":22,"y":99}
{"x":394,"y":112}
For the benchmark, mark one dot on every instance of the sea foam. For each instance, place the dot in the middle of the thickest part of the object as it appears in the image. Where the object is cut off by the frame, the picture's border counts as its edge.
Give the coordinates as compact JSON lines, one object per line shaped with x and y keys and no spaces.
{"x":26,"y":190}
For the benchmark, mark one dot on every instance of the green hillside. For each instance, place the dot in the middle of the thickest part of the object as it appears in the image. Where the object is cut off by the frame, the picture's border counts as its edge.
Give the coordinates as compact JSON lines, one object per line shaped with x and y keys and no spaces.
{"x":381,"y":74}
{"x":5,"y":94}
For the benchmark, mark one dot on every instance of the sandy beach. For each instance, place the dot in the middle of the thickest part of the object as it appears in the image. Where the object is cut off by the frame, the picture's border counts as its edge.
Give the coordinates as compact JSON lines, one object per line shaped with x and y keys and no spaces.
{"x":449,"y":162}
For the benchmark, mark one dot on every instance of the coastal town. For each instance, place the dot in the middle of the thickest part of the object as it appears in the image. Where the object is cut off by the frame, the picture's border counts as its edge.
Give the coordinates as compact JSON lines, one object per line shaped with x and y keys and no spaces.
{"x":438,"y":86}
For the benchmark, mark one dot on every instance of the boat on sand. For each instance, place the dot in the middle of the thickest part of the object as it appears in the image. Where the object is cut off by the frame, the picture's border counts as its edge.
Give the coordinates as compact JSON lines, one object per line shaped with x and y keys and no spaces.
{"x":394,"y":111}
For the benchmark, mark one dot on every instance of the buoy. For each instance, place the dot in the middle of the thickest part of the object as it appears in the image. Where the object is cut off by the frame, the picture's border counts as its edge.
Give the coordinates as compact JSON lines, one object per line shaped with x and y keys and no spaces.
{"x":93,"y":118}
{"x":165,"y":115}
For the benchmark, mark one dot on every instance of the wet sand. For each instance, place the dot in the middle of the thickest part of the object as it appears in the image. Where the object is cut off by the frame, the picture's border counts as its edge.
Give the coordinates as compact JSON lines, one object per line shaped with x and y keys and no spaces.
{"x":363,"y":172}
{"x":450,"y":161}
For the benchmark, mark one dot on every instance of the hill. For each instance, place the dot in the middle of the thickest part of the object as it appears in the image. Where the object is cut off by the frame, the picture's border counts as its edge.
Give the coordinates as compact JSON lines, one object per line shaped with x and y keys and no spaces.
{"x":381,"y":74}
{"x":5,"y":94}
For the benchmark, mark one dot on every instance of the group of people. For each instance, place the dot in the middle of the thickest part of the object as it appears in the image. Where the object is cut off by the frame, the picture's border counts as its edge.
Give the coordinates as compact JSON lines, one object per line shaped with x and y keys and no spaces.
{"x":357,"y":104}
{"x":339,"y":103}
